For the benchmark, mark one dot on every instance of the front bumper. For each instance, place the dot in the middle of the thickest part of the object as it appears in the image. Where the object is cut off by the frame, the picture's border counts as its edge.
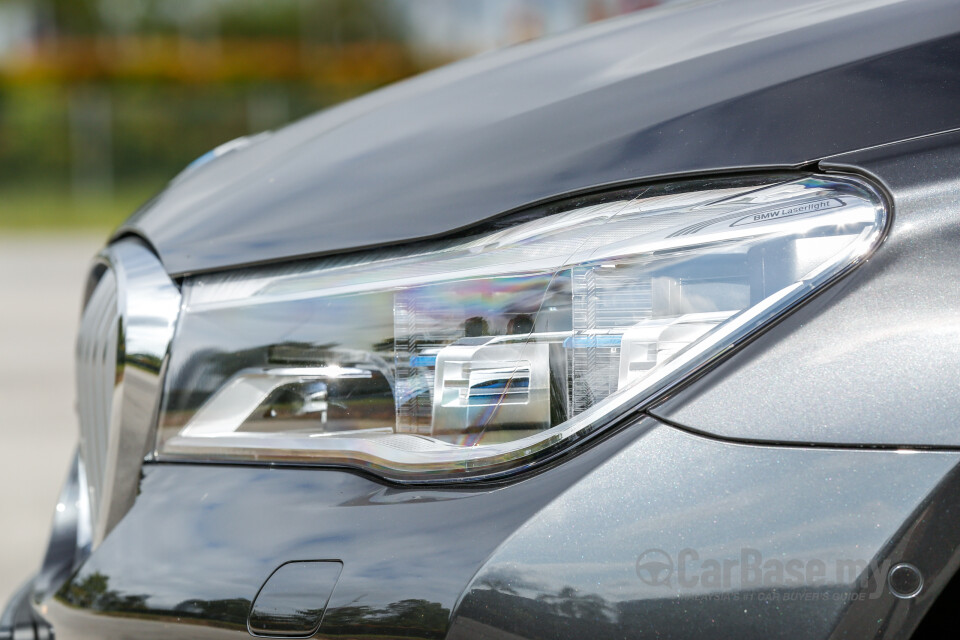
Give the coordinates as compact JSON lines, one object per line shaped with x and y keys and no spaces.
{"x":558,"y":554}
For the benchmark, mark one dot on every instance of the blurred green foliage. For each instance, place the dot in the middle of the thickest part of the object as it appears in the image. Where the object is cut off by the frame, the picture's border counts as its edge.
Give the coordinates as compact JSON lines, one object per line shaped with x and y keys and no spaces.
{"x":46,"y":206}
{"x":103,"y":101}
{"x":347,"y":20}
{"x":154,"y":129}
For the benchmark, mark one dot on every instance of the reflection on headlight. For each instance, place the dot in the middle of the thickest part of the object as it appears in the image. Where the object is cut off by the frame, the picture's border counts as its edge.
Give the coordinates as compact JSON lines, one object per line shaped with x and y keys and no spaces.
{"x":478,"y":355}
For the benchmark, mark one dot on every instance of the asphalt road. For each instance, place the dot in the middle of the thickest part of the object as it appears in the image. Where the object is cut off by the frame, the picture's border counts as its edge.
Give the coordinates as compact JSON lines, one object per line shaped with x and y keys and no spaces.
{"x":41,"y":278}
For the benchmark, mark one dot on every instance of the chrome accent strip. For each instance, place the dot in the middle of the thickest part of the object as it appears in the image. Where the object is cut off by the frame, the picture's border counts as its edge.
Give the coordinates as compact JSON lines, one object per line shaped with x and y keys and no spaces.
{"x":84,"y":514}
{"x":122,"y":351}
{"x":69,"y":544}
{"x":97,"y":344}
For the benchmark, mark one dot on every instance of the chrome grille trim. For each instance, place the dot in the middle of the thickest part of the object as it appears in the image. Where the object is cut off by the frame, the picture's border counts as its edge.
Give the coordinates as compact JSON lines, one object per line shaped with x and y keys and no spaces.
{"x":122,"y":349}
{"x":96,"y":376}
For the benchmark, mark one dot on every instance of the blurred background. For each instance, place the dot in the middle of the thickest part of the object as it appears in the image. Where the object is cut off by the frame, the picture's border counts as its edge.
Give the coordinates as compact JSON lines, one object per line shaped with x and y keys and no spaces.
{"x":103,"y":101}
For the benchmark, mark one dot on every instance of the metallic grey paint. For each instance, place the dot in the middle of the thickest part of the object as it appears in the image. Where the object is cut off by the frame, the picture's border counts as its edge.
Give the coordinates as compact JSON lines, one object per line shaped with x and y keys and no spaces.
{"x":874,"y":360}
{"x":570,"y":570}
{"x":685,"y":88}
{"x":871,"y":361}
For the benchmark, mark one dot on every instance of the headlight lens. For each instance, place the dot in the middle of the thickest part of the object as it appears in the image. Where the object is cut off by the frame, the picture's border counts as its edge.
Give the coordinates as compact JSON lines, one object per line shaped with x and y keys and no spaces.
{"x":482,"y":354}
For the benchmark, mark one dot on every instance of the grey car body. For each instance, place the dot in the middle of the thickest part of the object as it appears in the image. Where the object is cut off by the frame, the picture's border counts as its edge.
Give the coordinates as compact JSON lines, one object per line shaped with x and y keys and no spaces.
{"x":806,"y":486}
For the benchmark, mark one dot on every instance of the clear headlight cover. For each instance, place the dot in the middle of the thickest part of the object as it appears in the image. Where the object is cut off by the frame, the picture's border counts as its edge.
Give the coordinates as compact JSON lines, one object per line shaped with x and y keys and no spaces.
{"x":483,"y":354}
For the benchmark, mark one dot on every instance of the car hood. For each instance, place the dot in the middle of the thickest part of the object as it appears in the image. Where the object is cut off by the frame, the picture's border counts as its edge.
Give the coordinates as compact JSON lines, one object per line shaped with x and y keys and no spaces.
{"x":691,"y":87}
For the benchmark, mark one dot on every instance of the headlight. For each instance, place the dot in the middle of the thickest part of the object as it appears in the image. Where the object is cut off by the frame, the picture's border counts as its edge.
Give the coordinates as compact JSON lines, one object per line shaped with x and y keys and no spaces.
{"x":484,"y":353}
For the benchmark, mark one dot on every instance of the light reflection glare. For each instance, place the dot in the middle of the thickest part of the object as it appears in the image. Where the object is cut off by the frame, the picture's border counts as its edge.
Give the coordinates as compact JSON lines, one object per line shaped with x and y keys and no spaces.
{"x":482,"y":354}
